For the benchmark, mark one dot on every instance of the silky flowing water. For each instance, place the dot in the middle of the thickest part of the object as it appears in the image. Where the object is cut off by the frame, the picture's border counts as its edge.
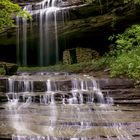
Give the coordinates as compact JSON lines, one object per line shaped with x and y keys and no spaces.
{"x":59,"y":106}
{"x":40,"y":35}
{"x":46,"y":18}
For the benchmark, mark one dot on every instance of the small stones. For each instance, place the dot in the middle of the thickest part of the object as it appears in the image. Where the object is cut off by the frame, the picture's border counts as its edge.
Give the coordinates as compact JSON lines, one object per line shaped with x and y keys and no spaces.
{"x":78,"y":55}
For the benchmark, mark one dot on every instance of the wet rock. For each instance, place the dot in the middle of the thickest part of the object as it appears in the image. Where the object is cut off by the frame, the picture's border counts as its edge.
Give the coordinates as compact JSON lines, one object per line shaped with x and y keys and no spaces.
{"x":64,"y":85}
{"x":3,"y":84}
{"x":86,"y":26}
{"x":91,"y":25}
{"x":123,"y":94}
{"x":3,"y":98}
{"x":39,"y":86}
{"x":8,"y":68}
{"x":119,"y":91}
{"x":115,"y":83}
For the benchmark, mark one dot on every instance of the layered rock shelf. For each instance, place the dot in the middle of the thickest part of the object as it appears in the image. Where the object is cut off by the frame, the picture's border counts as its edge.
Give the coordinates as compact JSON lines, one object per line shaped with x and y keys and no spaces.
{"x":123,"y":91}
{"x":33,"y":117}
{"x":86,"y":26}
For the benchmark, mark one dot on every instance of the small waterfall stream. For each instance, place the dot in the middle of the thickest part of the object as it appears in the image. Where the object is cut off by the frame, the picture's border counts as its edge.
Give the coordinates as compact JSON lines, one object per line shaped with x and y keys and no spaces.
{"x":48,"y":40}
{"x":39,"y":38}
{"x":59,"y":106}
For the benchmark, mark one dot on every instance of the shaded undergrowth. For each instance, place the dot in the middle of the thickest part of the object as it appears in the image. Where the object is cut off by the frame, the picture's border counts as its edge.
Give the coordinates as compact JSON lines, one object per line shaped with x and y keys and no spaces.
{"x":84,"y":67}
{"x":122,"y":60}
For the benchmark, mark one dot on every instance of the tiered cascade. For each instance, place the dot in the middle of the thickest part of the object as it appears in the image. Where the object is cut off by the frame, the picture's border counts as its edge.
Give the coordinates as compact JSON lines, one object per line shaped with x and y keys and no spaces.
{"x":46,"y":19}
{"x":58,"y":106}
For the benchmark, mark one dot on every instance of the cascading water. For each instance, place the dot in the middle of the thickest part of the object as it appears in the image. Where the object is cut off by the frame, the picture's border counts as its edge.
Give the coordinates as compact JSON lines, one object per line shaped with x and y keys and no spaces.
{"x":37,"y":41}
{"x":60,"y":107}
{"x":46,"y":38}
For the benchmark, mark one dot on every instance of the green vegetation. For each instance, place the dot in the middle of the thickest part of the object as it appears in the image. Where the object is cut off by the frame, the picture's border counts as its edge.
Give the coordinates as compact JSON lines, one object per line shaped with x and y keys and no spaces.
{"x":8,"y":11}
{"x":127,"y":64}
{"x":122,"y":60}
{"x":2,"y":71}
{"x":127,"y":41}
{"x":94,"y":65}
{"x":126,"y":53}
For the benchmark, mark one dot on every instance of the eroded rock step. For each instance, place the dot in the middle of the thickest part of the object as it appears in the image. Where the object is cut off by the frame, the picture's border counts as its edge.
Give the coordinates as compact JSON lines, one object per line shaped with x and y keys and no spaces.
{"x":118,"y":89}
{"x":64,"y":82}
{"x":72,"y":121}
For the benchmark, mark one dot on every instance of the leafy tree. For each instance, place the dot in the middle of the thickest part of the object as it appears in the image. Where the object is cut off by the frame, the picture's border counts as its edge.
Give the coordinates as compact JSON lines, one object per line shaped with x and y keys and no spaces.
{"x":8,"y":11}
{"x":127,"y":41}
{"x":126,"y":53}
{"x":135,"y":1}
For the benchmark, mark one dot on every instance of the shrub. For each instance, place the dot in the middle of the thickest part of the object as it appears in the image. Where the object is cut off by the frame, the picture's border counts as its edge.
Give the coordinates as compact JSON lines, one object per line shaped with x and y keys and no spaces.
{"x":127,"y":64}
{"x":126,"y":53}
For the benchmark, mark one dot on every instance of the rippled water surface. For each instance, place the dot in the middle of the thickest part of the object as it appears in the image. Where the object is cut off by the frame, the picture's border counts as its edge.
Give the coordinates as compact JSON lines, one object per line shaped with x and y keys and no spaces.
{"x":65,"y":121}
{"x":70,"y":107}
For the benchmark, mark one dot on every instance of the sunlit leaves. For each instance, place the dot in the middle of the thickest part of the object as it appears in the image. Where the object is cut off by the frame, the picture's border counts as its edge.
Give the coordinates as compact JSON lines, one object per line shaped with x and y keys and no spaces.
{"x":8,"y":11}
{"x":127,"y":64}
{"x":127,"y":53}
{"x":135,"y":1}
{"x":127,"y":41}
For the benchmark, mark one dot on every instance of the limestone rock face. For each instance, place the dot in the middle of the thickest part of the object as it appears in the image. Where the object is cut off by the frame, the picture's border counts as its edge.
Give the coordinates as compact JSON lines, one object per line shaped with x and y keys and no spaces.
{"x":3,"y":85}
{"x":91,"y":25}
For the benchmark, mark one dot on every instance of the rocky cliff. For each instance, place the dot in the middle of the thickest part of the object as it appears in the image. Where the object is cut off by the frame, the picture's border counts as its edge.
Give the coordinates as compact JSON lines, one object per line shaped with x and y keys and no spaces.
{"x":92,"y":24}
{"x":86,"y":24}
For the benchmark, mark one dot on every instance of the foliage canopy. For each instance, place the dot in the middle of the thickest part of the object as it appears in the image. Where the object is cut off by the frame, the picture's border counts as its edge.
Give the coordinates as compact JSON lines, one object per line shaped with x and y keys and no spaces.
{"x":8,"y":11}
{"x":126,"y":41}
{"x":126,"y":52}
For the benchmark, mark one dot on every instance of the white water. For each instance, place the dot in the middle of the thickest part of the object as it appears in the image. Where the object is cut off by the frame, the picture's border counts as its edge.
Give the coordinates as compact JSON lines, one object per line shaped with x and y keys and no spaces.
{"x":48,"y":38}
{"x":60,"y":114}
{"x":78,"y":87}
{"x":40,"y":38}
{"x":24,"y":42}
{"x":18,"y":40}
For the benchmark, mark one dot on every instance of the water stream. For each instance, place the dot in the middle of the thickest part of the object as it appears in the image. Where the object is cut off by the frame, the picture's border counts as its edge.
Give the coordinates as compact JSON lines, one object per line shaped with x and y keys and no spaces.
{"x":56,"y":106}
{"x":40,"y":36}
{"x":59,"y":106}
{"x":48,"y":41}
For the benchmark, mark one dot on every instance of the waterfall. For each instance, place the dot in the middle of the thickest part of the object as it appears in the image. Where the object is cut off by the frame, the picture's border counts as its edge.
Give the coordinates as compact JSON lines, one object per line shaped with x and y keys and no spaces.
{"x":24,"y":42}
{"x":46,"y":38}
{"x":82,"y":89}
{"x":17,"y":40}
{"x":38,"y":41}
{"x":59,"y":106}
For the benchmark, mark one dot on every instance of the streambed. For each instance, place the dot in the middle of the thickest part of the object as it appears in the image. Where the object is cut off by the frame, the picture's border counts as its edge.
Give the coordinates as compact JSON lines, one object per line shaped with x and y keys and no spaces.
{"x":72,"y":122}
{"x":69,"y":107}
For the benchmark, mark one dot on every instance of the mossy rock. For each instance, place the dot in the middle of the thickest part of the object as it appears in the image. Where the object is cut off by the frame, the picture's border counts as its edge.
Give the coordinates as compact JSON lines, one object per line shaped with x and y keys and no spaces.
{"x":2,"y":70}
{"x":8,"y":68}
